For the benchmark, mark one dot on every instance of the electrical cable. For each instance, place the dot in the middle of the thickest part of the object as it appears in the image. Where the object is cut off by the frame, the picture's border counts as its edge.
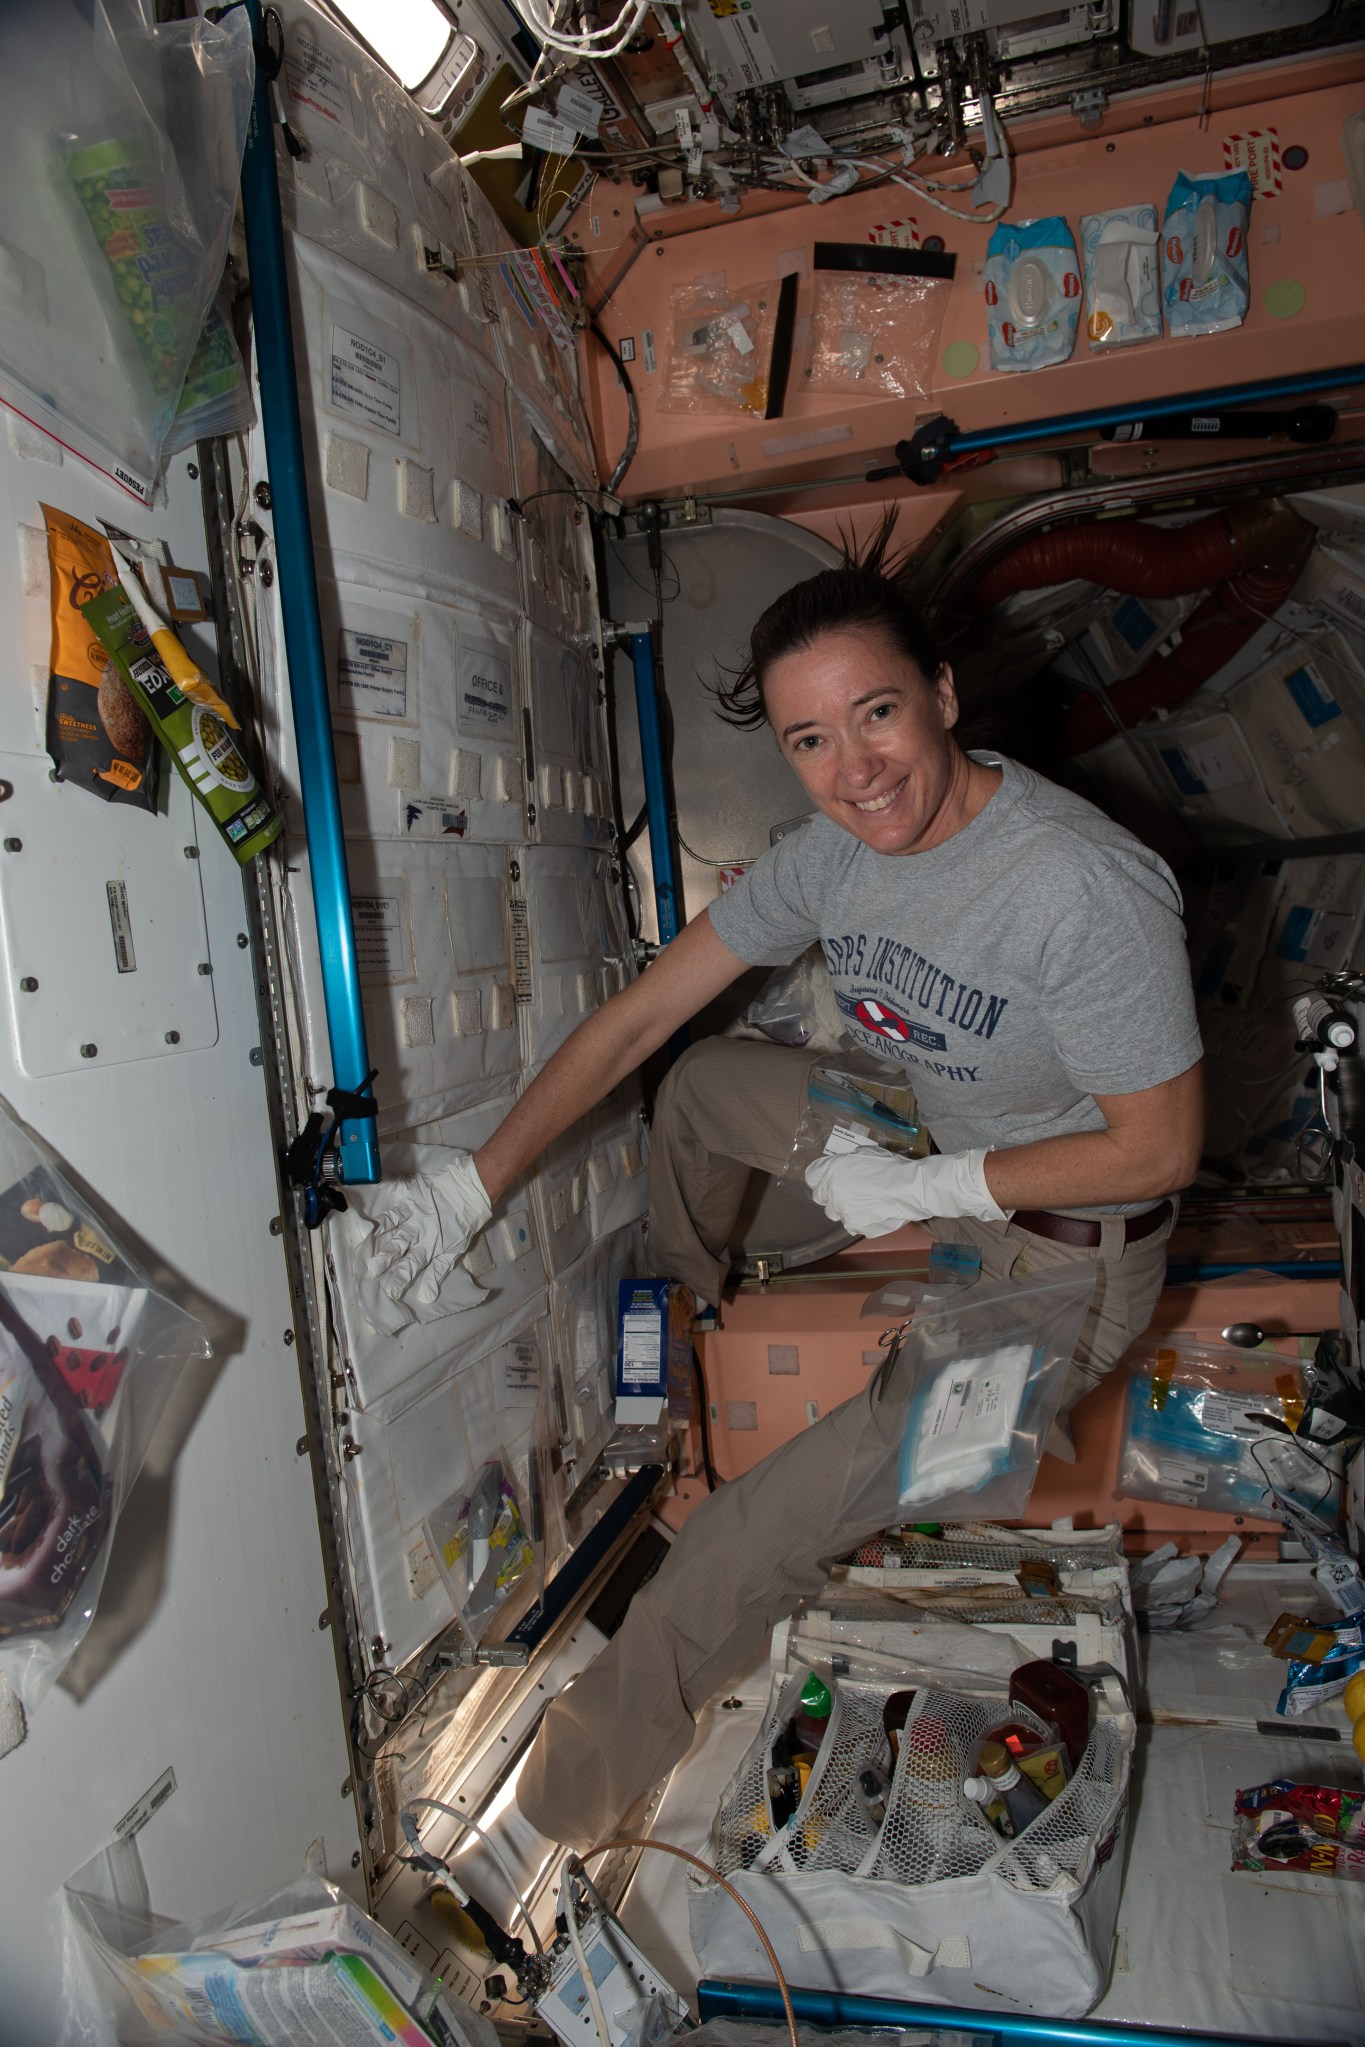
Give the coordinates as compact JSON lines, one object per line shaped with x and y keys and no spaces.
{"x":704,"y":1416}
{"x":585,"y":1974}
{"x":685,"y":1855}
{"x":595,"y":44}
{"x":438,"y":1805}
{"x":627,"y":455}
{"x":1275,"y":1492}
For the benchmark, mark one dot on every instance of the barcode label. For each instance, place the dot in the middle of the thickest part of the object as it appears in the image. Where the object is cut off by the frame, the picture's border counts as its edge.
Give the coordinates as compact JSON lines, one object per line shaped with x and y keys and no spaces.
{"x":521,"y":947}
{"x":1187,"y":24}
{"x":121,"y":924}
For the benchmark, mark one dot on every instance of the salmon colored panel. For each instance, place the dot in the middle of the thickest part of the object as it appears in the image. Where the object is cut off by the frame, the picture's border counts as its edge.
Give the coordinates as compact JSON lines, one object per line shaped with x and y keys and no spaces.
{"x":788,"y":1353}
{"x":1294,"y":236}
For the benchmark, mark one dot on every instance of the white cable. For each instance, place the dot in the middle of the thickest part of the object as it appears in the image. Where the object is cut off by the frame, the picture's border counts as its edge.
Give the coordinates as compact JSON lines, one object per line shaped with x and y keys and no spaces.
{"x":437,"y":1805}
{"x":922,"y":190}
{"x":596,"y":44}
{"x":576,"y":1943}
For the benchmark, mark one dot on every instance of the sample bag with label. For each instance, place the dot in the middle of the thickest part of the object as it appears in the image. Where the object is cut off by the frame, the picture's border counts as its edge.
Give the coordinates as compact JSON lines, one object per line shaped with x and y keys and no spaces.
{"x":299,"y":1964}
{"x":1206,"y":282}
{"x":960,"y":1411}
{"x":89,"y":1355}
{"x":720,"y":346}
{"x":1210,"y":1426}
{"x":1033,"y":293}
{"x":854,"y":1099}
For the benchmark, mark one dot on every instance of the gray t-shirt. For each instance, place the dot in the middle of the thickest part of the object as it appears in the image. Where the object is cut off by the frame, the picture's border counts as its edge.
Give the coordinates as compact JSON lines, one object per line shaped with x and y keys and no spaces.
{"x":1033,"y":961}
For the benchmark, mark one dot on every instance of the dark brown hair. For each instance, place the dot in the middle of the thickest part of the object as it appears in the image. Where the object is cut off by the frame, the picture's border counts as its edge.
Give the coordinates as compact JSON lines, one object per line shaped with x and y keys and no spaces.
{"x":865,"y":593}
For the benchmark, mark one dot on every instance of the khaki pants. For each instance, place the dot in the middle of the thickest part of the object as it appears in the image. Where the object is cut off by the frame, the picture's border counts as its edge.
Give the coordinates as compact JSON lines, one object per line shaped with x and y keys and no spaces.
{"x":751,"y":1551}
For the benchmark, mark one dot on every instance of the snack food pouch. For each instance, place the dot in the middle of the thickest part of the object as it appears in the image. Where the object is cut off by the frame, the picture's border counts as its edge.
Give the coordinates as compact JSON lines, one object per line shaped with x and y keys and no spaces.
{"x":1122,"y":286}
{"x":97,"y":734}
{"x":1033,"y":293}
{"x":1206,"y":283}
{"x":189,"y":717}
{"x":156,"y":273}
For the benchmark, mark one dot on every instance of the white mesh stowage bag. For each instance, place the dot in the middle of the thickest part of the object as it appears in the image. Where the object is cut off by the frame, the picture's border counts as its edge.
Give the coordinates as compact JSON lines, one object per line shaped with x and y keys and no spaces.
{"x":929,"y":1890}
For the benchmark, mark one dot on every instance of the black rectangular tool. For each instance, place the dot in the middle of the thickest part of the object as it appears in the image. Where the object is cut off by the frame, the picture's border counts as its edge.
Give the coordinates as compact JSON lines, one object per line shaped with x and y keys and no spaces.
{"x":873,"y":256}
{"x":780,"y":364}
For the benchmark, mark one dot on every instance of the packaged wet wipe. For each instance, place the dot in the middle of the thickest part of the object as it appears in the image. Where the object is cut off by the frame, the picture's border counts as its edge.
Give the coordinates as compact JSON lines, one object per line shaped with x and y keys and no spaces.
{"x":1206,"y":283}
{"x":1122,"y":285}
{"x":1033,"y":293}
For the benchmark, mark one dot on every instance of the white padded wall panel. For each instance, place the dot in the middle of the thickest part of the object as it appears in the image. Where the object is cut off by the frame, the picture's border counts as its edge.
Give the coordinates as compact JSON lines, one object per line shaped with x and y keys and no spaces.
{"x":571,"y":780}
{"x":618,"y":1163}
{"x":577,"y":940}
{"x":427,"y":695}
{"x":556,"y":539}
{"x":432,"y":939}
{"x":376,"y":182}
{"x":560,"y":1199}
{"x":400,"y":501}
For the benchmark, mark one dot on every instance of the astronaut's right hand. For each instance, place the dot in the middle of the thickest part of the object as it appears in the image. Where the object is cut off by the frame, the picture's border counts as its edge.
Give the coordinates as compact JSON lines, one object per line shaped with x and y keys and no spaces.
{"x":407,"y":1264}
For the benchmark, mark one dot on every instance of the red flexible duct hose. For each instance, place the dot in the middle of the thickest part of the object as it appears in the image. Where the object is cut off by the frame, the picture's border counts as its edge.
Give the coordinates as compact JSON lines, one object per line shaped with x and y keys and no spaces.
{"x":1216,"y":630}
{"x":1150,"y":561}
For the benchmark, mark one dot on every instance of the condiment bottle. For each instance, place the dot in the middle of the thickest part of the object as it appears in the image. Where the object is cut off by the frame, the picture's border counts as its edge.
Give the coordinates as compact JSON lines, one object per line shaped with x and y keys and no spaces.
{"x":1001,"y":1778}
{"x":811,"y":1724}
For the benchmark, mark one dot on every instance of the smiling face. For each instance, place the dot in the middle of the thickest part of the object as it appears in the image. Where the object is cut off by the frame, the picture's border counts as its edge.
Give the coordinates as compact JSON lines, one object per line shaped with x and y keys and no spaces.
{"x":871,"y":739}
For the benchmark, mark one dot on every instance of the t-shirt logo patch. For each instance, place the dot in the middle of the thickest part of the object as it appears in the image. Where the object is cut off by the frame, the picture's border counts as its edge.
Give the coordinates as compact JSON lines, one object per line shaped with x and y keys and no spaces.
{"x":889,"y":1023}
{"x":875,"y":1016}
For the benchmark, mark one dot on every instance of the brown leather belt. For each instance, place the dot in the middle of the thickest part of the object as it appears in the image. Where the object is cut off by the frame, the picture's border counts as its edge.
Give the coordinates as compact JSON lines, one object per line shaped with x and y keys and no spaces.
{"x":1085,"y":1235}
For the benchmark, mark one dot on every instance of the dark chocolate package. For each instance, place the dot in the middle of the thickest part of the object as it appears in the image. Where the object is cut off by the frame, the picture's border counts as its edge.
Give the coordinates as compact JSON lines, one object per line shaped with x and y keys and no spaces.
{"x":97,"y":734}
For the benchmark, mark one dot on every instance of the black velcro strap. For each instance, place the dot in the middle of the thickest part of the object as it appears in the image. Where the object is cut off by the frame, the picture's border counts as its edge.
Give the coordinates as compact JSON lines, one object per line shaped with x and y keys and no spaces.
{"x":349,"y":1105}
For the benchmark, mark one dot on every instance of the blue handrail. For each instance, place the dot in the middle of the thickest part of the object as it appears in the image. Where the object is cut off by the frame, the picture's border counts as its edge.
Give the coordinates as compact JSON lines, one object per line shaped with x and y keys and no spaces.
{"x":1266,"y":388}
{"x":656,"y":782}
{"x":283,"y":434}
{"x":836,"y":2008}
{"x":657,"y":806}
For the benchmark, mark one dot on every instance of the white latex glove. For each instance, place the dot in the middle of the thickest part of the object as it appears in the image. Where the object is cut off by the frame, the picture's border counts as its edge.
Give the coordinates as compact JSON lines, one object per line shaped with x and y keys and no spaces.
{"x":406,"y":1264}
{"x":872,"y":1192}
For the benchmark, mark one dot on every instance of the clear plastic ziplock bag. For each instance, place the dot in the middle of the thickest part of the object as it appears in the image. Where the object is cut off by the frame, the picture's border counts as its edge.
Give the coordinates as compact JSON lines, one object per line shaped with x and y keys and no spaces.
{"x":961,"y":1408}
{"x":876,"y":333}
{"x":479,"y":1541}
{"x":853,"y":1099}
{"x":116,"y":238}
{"x":89,"y":1356}
{"x":720,"y":346}
{"x":300,"y":1963}
{"x":1208,"y":1425}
